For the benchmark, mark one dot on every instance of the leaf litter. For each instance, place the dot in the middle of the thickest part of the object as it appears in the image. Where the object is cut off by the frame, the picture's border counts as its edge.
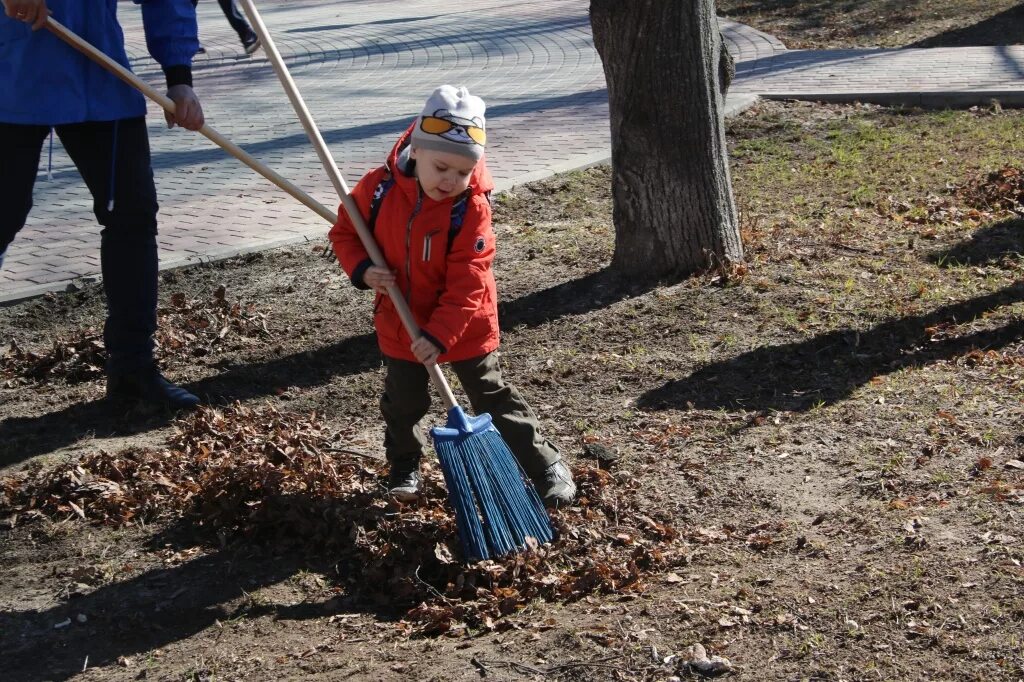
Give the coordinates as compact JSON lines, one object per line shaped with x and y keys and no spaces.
{"x":186,"y":327}
{"x":259,"y":475}
{"x":996,"y":194}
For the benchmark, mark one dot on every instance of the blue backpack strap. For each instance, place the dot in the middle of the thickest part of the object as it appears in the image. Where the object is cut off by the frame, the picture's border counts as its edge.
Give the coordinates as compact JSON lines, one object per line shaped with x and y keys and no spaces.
{"x":385,"y":184}
{"x":458,"y":216}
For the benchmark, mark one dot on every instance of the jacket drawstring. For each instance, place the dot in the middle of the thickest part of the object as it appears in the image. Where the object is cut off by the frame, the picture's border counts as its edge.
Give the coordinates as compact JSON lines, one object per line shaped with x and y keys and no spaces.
{"x":49,"y":166}
{"x":113,"y":169}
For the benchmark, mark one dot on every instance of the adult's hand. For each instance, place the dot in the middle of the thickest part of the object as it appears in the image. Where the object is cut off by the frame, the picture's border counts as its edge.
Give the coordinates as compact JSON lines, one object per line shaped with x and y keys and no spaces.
{"x":188,"y":110}
{"x":30,"y":11}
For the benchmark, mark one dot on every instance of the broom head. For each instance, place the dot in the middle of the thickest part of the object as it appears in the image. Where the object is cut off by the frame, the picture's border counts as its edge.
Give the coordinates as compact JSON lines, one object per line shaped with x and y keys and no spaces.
{"x":496,"y":506}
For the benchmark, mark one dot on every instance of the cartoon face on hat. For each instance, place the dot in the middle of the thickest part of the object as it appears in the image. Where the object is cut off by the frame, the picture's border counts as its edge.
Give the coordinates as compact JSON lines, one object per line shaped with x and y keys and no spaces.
{"x":454,"y":128}
{"x":452,"y":121}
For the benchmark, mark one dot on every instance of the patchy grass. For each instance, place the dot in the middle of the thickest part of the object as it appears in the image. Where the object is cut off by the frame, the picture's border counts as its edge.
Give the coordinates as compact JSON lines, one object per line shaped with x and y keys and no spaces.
{"x":862,"y":195}
{"x":820,"y":24}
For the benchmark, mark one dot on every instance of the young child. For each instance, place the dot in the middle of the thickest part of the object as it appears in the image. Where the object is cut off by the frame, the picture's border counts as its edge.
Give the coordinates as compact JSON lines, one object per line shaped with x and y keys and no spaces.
{"x":429,"y":211}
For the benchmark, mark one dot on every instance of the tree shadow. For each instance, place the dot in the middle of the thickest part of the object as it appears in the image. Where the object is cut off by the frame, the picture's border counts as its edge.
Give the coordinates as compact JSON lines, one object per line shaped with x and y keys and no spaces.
{"x":22,"y":438}
{"x":498,"y":39}
{"x":576,"y":297}
{"x":169,"y":604}
{"x":320,"y":28}
{"x":987,"y":245}
{"x":338,"y":138}
{"x":1005,"y":28}
{"x":828,"y":368}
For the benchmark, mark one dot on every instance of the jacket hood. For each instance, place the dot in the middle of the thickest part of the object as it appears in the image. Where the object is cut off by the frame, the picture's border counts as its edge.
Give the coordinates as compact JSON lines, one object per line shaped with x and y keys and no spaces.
{"x":480,"y":182}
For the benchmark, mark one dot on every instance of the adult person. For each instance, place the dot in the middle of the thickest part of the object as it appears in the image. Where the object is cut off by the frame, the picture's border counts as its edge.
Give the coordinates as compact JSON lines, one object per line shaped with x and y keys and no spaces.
{"x":250,"y":41}
{"x":47,"y":85}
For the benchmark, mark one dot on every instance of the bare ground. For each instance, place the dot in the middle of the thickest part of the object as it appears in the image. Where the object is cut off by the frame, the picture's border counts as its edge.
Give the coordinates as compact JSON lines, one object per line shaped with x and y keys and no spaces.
{"x":834,"y":438}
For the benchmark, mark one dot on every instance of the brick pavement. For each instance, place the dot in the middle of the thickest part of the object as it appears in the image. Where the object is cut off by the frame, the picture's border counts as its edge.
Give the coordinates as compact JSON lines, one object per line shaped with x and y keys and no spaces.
{"x":930,"y":77}
{"x":364,"y":67}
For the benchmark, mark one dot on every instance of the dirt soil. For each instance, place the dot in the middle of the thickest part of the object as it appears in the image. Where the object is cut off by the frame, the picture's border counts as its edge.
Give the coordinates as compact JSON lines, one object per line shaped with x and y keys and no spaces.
{"x":823,"y":24}
{"x":814,"y":470}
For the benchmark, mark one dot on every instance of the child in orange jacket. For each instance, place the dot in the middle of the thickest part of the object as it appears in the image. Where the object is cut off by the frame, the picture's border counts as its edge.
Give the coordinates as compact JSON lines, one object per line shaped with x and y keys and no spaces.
{"x":429,"y":210}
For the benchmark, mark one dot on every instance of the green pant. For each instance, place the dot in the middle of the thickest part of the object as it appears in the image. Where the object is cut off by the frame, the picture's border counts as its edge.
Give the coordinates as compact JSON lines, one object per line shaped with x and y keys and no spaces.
{"x":406,"y":401}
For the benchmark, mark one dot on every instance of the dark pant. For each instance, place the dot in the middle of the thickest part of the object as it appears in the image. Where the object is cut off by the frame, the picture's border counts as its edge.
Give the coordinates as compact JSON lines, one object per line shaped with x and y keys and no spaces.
{"x":128,"y":251}
{"x":235,"y":18}
{"x":406,"y":401}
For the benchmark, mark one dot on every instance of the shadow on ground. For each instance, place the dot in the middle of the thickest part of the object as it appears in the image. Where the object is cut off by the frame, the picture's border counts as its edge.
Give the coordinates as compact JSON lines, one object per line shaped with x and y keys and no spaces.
{"x":1005,"y":28}
{"x":168,"y":604}
{"x":26,"y":437}
{"x":826,"y":369}
{"x":986,"y":246}
{"x":177,"y":159}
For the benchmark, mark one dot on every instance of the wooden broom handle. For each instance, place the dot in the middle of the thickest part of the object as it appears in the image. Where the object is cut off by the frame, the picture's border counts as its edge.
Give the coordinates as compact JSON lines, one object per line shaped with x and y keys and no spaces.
{"x":401,"y":306}
{"x":227,"y":145}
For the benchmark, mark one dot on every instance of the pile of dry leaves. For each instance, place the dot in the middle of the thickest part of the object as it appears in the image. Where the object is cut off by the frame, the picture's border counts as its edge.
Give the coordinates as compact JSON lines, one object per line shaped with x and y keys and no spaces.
{"x":80,"y":358}
{"x":185,"y":327}
{"x":262,"y":475}
{"x":195,"y":327}
{"x":1001,"y":190}
{"x":996,"y":195}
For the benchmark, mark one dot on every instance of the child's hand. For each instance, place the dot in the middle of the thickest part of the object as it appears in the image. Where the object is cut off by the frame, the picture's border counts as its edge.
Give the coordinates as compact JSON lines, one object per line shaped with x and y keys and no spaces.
{"x":379,"y":279}
{"x":425,"y":351}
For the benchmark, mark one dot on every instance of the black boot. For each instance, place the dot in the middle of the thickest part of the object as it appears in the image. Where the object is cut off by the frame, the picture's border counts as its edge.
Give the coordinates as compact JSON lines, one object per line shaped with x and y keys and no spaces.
{"x":405,"y":483}
{"x":148,"y":385}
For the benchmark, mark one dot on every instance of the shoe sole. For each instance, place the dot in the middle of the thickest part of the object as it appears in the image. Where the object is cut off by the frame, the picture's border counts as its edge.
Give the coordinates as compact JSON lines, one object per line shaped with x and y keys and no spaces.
{"x":403,"y":495}
{"x":559,"y":501}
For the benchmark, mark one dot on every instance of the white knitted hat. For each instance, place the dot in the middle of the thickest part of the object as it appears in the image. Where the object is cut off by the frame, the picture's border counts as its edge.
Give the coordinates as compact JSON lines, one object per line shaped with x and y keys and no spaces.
{"x":452,"y":121}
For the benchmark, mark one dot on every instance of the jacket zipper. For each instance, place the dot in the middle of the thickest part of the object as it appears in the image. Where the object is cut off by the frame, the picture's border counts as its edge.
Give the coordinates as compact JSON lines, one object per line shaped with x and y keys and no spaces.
{"x":427,"y":242}
{"x":408,"y":242}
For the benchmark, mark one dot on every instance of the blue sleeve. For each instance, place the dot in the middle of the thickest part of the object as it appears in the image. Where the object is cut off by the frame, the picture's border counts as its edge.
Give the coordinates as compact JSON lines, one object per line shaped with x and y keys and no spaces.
{"x":172,"y":35}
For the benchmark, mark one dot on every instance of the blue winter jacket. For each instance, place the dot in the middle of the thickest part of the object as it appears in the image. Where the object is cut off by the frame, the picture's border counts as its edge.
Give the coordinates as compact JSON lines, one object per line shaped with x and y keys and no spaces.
{"x":45,"y":81}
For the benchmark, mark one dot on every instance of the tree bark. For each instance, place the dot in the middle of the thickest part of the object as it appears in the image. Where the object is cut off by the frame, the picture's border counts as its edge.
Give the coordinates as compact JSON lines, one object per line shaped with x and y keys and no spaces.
{"x":672,"y":195}
{"x":726,"y":69}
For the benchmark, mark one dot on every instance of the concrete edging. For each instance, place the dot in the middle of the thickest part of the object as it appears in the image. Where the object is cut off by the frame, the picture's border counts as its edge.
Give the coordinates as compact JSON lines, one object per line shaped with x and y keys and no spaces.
{"x":924,"y":100}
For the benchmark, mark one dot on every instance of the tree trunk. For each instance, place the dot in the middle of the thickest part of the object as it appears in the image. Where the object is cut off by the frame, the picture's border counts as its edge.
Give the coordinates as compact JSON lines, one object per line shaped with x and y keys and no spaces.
{"x":672,"y":195}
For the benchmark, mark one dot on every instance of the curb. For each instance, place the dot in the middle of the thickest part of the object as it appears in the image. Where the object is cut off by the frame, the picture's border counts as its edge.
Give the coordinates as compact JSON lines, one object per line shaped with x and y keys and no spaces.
{"x":960,"y":99}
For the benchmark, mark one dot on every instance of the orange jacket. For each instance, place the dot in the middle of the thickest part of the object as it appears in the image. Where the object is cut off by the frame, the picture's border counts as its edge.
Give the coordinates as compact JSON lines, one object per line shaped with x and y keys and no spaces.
{"x":450,"y":287}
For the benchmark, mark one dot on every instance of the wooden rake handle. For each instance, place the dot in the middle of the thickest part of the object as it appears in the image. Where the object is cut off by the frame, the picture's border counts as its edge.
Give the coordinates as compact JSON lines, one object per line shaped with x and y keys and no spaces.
{"x":227,"y":145}
{"x":401,"y":306}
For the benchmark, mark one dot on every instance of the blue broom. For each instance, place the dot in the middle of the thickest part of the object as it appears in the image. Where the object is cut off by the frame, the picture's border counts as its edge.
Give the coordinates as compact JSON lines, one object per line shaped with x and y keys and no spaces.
{"x":496,"y":506}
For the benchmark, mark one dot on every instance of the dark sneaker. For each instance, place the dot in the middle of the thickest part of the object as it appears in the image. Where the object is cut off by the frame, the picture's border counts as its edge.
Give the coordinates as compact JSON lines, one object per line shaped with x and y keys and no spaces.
{"x":405,"y":482}
{"x":555,"y":486}
{"x":251,"y":43}
{"x":148,"y":385}
{"x":201,"y":50}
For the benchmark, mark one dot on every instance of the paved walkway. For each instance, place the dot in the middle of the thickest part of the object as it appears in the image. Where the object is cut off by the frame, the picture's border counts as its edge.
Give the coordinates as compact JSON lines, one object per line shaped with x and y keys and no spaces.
{"x":364,"y":67}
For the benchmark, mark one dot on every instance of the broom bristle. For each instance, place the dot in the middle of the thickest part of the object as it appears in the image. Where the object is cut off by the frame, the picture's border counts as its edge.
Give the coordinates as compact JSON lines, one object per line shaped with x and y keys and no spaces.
{"x":496,"y":506}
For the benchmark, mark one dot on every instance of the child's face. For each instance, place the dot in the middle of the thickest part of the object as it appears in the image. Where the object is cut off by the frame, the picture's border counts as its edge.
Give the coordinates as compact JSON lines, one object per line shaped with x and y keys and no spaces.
{"x":442,"y":174}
